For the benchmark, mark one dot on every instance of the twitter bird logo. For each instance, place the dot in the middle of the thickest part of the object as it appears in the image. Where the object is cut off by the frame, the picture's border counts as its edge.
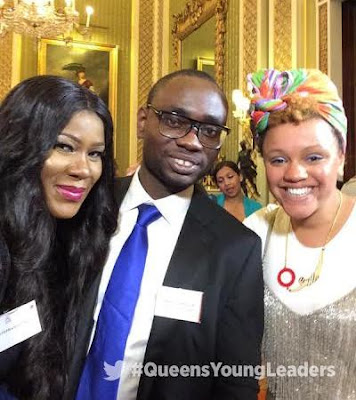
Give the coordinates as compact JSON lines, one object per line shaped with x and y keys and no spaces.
{"x":113,"y":372}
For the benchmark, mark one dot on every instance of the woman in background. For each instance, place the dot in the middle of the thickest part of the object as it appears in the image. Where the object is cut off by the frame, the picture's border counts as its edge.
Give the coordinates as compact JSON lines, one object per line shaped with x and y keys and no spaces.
{"x":57,"y":216}
{"x":228,"y":178}
{"x":310,"y":276}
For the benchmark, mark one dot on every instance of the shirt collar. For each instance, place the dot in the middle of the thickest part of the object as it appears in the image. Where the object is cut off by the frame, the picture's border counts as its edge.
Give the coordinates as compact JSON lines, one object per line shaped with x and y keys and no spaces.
{"x":173,"y":207}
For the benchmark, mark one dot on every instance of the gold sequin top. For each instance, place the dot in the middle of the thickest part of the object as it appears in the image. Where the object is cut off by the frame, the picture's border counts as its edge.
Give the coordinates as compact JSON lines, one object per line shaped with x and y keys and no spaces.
{"x":311,"y":333}
{"x":321,"y":344}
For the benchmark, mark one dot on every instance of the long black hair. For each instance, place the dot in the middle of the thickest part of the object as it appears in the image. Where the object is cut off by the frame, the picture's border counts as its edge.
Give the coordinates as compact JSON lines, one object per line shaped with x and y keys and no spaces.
{"x":52,"y":261}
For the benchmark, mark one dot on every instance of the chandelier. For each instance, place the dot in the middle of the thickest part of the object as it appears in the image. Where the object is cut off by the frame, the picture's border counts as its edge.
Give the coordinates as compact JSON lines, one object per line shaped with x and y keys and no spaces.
{"x":39,"y":18}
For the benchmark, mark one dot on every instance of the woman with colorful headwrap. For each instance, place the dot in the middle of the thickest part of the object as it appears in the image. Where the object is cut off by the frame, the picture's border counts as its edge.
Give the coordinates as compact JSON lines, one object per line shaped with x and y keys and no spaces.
{"x":300,"y":127}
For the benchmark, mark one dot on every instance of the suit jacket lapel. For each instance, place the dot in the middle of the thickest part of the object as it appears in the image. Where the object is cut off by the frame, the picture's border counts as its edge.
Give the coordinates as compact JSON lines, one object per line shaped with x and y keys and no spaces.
{"x":193,"y":241}
{"x":184,"y":271}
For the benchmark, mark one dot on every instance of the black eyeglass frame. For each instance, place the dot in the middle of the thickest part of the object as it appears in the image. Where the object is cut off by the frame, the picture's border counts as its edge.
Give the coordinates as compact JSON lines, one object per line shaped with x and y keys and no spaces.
{"x":194,"y":124}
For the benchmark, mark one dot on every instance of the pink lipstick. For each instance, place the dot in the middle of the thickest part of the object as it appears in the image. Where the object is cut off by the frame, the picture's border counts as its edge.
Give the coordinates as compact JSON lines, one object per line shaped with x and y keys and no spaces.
{"x":71,"y":193}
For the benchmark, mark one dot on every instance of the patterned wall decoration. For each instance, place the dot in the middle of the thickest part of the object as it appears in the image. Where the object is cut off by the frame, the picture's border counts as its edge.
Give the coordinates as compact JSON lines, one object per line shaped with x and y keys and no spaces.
{"x":231,"y":78}
{"x":5,"y":65}
{"x":145,"y":68}
{"x":249,"y":38}
{"x":158,"y":41}
{"x":150,"y":52}
{"x":323,"y":38}
{"x":221,"y":12}
{"x":282,"y":42}
{"x":249,"y":60}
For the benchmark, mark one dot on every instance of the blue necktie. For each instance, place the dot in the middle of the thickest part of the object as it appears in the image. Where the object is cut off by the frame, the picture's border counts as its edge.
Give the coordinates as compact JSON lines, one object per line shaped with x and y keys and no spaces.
{"x":100,"y":377}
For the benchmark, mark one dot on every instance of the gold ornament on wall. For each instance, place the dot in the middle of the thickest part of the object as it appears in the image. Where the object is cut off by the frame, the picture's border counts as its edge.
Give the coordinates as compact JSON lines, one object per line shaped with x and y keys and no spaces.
{"x":194,"y":14}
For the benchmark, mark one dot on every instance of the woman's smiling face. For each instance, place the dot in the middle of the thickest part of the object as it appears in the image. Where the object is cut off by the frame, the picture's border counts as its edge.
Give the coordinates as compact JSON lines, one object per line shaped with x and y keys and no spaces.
{"x":302,"y":164}
{"x":74,"y":165}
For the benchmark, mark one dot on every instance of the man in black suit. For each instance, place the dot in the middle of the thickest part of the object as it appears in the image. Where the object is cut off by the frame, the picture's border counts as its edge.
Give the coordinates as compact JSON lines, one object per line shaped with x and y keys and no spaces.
{"x":200,"y":308}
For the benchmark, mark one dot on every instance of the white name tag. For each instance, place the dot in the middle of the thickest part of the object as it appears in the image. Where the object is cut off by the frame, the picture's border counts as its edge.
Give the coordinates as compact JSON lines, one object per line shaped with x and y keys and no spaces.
{"x":19,"y":324}
{"x":179,"y":304}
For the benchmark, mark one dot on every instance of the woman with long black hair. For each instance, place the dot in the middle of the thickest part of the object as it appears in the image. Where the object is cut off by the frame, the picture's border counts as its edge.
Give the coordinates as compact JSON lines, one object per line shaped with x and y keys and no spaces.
{"x":57,"y":216}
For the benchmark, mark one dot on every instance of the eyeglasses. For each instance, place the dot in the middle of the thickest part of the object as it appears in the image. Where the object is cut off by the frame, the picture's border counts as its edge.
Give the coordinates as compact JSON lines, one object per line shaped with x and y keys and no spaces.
{"x":175,"y":126}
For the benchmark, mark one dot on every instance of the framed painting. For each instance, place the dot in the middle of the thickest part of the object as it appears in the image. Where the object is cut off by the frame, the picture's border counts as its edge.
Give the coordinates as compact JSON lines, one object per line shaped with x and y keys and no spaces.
{"x":207,"y":65}
{"x":92,"y":65}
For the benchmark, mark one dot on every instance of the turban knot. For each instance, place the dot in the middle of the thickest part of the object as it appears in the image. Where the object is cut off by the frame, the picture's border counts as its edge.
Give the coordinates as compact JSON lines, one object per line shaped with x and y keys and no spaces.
{"x":271,"y":90}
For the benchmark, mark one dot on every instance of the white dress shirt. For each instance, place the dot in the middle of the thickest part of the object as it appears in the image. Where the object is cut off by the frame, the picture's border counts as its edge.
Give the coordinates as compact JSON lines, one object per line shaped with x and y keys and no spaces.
{"x":162,"y":238}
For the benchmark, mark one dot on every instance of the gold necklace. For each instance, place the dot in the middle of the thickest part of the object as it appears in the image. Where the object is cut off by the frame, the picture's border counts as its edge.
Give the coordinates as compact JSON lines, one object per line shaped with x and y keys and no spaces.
{"x":304,"y":282}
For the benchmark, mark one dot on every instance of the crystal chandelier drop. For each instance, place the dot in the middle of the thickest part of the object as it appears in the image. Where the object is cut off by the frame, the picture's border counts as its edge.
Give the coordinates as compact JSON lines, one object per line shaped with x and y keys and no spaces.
{"x":37,"y":18}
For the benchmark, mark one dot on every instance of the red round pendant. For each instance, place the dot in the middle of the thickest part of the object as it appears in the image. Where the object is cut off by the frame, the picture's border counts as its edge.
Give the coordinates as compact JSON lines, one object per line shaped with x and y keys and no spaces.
{"x":283,"y":282}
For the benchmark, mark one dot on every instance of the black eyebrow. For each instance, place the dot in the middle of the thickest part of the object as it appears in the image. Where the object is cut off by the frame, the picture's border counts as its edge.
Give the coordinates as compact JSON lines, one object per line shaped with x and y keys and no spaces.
{"x":70,"y":136}
{"x":210,"y":119}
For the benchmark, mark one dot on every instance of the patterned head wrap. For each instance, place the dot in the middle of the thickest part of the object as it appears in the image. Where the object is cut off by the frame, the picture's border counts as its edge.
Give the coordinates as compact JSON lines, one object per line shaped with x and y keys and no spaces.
{"x":271,"y":90}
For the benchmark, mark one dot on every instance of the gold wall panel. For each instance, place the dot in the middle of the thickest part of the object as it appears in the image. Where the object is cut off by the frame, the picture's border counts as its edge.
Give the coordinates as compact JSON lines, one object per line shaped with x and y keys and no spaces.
{"x":310,"y":39}
{"x":145,"y":67}
{"x":249,"y":19}
{"x":323,"y":38}
{"x":5,"y":65}
{"x":232,"y":71}
{"x":249,"y":38}
{"x":241,"y":58}
{"x":158,"y":41}
{"x":150,"y":52}
{"x":282,"y":38}
{"x":221,"y":14}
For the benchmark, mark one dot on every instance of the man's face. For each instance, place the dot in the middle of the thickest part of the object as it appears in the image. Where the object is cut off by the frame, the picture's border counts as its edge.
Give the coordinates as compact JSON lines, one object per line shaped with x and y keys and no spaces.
{"x":172,"y":165}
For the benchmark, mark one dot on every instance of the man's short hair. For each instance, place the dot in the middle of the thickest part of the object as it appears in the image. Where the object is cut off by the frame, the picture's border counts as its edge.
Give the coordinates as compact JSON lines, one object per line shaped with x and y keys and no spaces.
{"x":181,"y":73}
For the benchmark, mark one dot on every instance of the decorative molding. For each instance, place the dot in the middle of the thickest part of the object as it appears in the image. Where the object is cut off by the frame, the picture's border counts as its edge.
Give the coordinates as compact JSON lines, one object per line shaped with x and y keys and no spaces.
{"x":134,"y":61}
{"x":323,"y":54}
{"x":151,"y":65}
{"x":249,"y":47}
{"x":5,"y":65}
{"x":282,"y":41}
{"x":146,"y":50}
{"x":194,"y":14}
{"x":249,"y":51}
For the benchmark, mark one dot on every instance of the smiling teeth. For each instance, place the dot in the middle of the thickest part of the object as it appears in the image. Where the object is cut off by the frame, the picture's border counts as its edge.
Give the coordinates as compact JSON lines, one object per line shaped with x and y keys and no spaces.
{"x":184,"y":162}
{"x":299,"y":191}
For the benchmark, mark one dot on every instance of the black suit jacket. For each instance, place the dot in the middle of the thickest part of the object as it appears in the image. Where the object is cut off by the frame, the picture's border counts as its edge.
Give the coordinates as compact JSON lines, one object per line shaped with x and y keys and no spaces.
{"x":219,"y":256}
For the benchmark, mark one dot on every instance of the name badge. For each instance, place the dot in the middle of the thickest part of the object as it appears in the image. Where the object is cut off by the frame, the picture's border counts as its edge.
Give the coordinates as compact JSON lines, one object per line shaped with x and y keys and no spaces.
{"x":177,"y":303}
{"x":19,"y":324}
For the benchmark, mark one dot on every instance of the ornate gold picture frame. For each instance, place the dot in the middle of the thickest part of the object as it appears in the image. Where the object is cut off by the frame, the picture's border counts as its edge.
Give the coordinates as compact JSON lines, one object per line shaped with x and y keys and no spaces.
{"x":195,"y":13}
{"x":205,"y":64}
{"x":99,"y":63}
